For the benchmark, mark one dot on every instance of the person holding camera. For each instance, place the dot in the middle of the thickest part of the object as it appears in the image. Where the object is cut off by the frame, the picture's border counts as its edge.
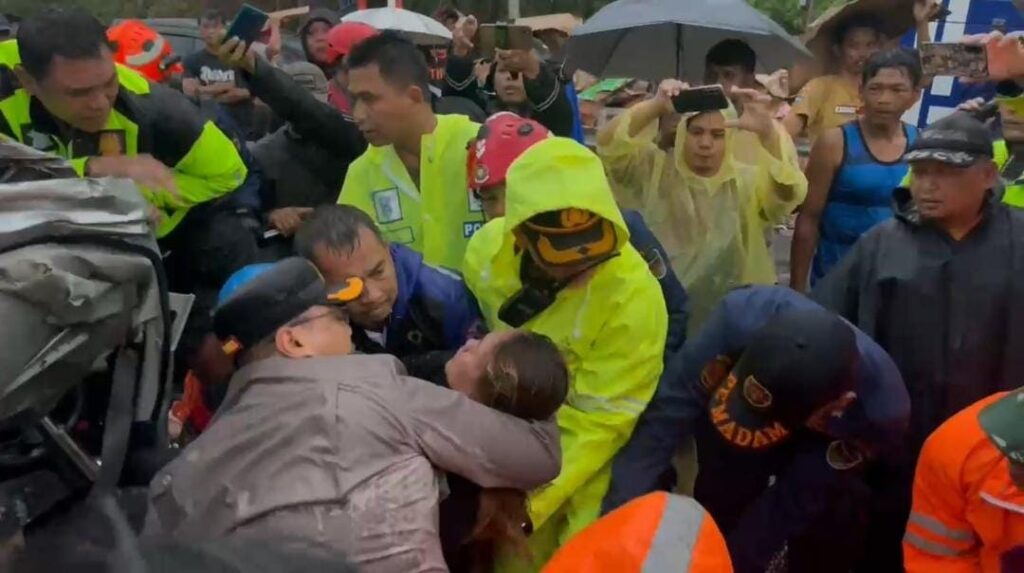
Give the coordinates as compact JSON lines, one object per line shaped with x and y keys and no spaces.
{"x":707,"y":208}
{"x":516,"y":80}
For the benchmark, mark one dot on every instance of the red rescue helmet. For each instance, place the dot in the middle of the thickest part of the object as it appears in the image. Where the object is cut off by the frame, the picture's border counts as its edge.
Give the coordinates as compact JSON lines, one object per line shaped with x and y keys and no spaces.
{"x":144,"y":50}
{"x":501,"y":140}
{"x":342,"y":37}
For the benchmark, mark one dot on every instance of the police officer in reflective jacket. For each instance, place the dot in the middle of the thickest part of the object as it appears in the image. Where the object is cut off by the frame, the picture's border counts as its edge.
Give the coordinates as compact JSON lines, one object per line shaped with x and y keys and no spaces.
{"x":788,"y":404}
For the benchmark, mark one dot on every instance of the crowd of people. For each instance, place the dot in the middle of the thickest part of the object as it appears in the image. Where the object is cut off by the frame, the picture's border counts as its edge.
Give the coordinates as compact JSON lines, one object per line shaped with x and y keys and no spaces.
{"x":435,"y":331}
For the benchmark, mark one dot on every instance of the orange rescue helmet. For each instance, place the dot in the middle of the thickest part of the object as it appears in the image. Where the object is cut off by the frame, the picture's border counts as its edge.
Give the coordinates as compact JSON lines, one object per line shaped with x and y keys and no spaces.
{"x":144,"y":50}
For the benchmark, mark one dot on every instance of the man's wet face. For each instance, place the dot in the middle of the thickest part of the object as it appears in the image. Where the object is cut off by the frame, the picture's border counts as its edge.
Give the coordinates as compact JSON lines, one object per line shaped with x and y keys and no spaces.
{"x":944,"y":192}
{"x":80,"y":92}
{"x":380,"y":108}
{"x":323,"y":331}
{"x":704,"y":150}
{"x":370,"y":261}
{"x":889,"y":94}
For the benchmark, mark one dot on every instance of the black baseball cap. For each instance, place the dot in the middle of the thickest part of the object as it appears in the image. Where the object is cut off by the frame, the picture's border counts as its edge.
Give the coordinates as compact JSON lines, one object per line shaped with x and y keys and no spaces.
{"x":796,"y":363}
{"x":958,"y":140}
{"x":274,"y":297}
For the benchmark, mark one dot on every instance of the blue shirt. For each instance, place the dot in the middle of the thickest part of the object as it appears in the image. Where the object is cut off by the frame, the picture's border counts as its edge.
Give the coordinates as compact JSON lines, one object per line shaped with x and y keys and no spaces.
{"x":860,"y":197}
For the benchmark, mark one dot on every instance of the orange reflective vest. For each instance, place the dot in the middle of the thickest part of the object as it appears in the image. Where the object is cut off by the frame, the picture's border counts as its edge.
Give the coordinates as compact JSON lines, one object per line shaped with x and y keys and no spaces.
{"x":967,"y":513}
{"x":656,"y":533}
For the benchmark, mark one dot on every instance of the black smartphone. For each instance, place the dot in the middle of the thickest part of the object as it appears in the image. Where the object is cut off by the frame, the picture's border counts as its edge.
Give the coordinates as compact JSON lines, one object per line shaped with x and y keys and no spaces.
{"x":248,"y":24}
{"x":958,"y":60}
{"x":701,"y":99}
{"x":491,"y":37}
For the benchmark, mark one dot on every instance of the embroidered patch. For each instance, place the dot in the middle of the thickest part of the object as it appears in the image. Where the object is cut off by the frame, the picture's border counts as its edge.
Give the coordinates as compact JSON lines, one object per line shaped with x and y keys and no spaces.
{"x":481,"y":173}
{"x":845,"y":109}
{"x":843,"y":456}
{"x":755,"y":394}
{"x":475,"y":204}
{"x":715,"y":372}
{"x":388,"y":206}
{"x":656,"y":263}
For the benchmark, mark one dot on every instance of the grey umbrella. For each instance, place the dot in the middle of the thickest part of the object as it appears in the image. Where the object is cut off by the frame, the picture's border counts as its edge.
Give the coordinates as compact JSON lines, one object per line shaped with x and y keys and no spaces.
{"x":657,"y":39}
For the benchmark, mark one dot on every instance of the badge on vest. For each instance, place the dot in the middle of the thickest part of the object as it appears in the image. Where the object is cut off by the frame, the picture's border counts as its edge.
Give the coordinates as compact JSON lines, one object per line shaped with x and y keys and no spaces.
{"x":846,"y":110}
{"x":111,"y":143}
{"x":37,"y":139}
{"x":387,"y":205}
{"x":475,"y":205}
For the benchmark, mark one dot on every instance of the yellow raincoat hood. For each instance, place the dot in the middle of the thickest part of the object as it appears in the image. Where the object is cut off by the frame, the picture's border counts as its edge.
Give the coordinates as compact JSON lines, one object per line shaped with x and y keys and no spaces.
{"x":556,"y":174}
{"x":611,"y":328}
{"x":713,"y":228}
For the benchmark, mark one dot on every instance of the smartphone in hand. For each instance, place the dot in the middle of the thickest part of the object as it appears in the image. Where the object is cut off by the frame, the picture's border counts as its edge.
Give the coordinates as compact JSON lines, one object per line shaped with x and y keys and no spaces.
{"x":960,"y":60}
{"x":248,"y":24}
{"x":701,"y":99}
{"x":492,"y":37}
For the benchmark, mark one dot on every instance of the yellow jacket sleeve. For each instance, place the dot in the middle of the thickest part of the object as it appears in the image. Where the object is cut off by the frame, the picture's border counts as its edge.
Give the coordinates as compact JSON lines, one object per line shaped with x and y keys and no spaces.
{"x":611,"y":388}
{"x":212,"y":168}
{"x":631,"y":161}
{"x":781,"y":185}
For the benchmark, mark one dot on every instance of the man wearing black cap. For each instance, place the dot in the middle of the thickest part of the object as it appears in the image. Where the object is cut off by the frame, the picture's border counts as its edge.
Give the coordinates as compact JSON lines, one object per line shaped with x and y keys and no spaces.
{"x":788,"y":404}
{"x":317,"y":445}
{"x":940,"y":288}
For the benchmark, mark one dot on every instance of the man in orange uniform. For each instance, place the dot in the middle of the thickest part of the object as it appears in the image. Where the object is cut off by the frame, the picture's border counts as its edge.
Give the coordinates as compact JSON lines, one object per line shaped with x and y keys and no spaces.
{"x":968,"y":512}
{"x":656,"y":533}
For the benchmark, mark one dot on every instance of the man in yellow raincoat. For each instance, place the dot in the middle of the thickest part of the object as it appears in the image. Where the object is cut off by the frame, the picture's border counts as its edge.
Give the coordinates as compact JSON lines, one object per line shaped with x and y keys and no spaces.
{"x":709,"y":210}
{"x":559,"y":263}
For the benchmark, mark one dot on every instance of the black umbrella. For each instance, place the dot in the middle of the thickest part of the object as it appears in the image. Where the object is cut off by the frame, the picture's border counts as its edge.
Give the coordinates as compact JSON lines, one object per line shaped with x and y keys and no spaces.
{"x":656,"y":39}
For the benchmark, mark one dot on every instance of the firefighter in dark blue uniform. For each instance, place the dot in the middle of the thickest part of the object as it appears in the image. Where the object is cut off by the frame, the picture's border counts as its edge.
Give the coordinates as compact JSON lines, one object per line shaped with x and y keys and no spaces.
{"x":788,"y":403}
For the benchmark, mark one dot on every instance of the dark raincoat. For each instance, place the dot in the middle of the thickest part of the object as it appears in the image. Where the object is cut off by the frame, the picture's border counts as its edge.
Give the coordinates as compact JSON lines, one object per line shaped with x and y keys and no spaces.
{"x":947,"y":311}
{"x":949,"y":314}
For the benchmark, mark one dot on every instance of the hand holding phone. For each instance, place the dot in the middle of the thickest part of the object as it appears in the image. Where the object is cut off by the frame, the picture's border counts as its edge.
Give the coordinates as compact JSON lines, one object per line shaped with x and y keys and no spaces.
{"x":493,"y":37}
{"x":248,"y":24}
{"x":700,"y":99}
{"x":960,"y":60}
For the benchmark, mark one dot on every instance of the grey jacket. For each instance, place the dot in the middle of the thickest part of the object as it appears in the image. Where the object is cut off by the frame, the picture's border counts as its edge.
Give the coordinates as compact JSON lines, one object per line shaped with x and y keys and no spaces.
{"x":345,"y":453}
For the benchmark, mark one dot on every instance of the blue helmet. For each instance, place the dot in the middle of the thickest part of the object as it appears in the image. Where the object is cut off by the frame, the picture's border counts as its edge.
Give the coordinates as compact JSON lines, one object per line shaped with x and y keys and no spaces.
{"x":240,"y":278}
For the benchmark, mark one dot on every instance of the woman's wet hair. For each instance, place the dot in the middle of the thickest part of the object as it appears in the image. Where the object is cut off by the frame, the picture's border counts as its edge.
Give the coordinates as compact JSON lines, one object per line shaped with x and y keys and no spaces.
{"x":527,"y":377}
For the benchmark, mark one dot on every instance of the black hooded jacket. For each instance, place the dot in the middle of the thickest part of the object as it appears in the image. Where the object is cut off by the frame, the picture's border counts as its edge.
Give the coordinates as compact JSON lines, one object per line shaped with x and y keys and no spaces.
{"x":318,"y":15}
{"x":949,"y":312}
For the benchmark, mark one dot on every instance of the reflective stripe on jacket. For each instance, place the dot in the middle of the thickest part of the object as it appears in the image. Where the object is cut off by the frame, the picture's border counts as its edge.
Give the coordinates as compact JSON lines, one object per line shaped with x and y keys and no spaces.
{"x":657,"y":533}
{"x":436,"y":218}
{"x":967,"y":514}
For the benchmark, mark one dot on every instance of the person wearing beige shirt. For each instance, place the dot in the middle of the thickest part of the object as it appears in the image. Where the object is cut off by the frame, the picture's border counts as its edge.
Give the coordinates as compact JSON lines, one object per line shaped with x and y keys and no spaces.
{"x":832,"y":100}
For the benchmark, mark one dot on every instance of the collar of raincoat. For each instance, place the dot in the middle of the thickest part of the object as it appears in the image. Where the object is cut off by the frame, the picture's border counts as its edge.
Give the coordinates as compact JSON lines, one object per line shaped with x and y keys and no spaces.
{"x":728,"y":169}
{"x":559,"y":173}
